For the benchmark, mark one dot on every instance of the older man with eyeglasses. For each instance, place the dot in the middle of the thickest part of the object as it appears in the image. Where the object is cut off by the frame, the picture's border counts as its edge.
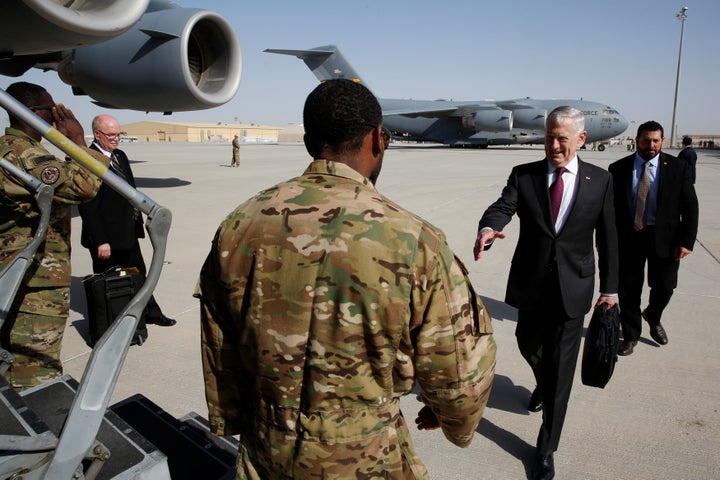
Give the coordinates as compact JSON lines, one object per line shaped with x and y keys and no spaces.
{"x":34,"y":327}
{"x":111,"y":226}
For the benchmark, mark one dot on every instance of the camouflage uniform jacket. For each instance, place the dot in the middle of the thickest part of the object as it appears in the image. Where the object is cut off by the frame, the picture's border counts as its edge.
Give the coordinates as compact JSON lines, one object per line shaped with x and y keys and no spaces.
{"x":322,"y":303}
{"x":19,"y":216}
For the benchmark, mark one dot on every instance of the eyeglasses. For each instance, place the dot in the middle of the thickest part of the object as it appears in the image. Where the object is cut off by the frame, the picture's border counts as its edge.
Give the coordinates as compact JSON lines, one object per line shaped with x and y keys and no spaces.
{"x":110,"y":136}
{"x":41,"y":107}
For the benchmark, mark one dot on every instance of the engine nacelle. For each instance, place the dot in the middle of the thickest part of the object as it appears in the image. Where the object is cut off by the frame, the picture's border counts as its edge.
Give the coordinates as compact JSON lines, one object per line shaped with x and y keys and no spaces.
{"x":55,"y":27}
{"x":489,"y":120}
{"x":529,"y":118}
{"x":175,"y":59}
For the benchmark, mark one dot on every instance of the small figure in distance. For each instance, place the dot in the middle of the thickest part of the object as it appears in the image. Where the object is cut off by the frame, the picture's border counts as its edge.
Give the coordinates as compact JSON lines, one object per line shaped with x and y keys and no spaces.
{"x":689,"y":154}
{"x":236,"y":152}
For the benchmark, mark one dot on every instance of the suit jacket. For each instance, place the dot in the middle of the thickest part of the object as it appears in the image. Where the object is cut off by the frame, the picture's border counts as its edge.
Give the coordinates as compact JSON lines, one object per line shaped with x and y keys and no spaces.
{"x":676,"y":218}
{"x":108,"y":218}
{"x":572,"y":249}
{"x":690,"y":156}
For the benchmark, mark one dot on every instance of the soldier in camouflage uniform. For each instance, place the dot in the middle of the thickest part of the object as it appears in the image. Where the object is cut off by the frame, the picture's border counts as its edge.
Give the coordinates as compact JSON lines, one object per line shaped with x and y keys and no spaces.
{"x":34,"y":327}
{"x":323,"y":302}
{"x":236,"y":152}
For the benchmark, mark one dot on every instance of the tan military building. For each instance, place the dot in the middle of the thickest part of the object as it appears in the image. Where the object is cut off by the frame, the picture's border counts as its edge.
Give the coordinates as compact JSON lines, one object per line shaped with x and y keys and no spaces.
{"x":148,"y":131}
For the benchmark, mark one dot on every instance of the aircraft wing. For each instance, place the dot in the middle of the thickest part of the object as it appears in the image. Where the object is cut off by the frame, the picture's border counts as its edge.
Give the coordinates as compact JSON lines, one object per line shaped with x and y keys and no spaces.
{"x":146,"y":55}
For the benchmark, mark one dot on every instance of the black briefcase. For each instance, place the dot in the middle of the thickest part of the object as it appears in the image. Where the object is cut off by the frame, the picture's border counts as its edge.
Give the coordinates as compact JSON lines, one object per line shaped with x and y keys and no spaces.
{"x":602,"y":342}
{"x":107,"y":295}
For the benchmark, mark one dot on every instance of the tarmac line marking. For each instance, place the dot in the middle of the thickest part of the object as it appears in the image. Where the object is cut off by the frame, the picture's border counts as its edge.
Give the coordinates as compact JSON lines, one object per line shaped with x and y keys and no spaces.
{"x":717,"y":260}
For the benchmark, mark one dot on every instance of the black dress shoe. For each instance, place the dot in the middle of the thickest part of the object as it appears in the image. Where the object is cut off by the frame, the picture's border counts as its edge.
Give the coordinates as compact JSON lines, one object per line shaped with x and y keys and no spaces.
{"x":544,"y":468}
{"x":536,"y":402}
{"x":657,"y":332}
{"x":162,"y":321}
{"x":627,"y":347}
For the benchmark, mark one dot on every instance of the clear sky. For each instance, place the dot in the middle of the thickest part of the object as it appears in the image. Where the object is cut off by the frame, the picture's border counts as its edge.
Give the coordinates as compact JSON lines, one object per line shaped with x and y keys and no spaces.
{"x":620,"y":52}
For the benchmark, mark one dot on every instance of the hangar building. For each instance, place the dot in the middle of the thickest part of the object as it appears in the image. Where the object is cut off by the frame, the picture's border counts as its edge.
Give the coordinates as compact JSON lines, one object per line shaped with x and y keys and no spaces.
{"x":148,"y":131}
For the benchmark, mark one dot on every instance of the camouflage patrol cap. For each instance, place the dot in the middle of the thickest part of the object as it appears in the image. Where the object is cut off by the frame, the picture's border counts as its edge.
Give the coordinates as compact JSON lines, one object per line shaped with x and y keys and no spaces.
{"x":339,"y":112}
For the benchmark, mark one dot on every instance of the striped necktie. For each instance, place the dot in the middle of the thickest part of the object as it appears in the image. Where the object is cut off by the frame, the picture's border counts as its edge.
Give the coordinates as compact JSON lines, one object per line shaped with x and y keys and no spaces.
{"x":117,"y":168}
{"x":642,"y":194}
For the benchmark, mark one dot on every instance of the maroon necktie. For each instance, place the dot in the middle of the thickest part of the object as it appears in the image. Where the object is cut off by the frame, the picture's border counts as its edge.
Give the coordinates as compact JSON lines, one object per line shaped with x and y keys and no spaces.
{"x":556,"y":192}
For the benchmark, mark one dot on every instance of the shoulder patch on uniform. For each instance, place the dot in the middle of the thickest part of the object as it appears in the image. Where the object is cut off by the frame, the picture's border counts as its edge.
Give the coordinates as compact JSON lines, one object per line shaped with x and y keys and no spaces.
{"x":50,"y":175}
{"x":31,"y":159}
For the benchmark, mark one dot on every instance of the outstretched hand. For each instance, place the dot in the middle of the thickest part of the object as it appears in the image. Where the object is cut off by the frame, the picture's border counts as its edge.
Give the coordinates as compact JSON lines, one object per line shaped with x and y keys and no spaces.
{"x":485,"y":237}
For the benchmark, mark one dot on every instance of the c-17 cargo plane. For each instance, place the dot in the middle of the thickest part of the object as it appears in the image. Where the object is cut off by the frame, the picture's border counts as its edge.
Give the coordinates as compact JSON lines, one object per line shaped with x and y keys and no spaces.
{"x":465,"y":123}
{"x":146,"y":55}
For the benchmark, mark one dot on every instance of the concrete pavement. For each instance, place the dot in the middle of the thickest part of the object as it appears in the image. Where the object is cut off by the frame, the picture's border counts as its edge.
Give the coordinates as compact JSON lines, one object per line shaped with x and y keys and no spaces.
{"x":657,"y":419}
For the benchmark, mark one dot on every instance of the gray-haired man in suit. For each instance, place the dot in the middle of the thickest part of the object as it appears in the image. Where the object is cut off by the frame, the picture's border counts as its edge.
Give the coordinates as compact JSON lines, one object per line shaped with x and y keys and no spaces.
{"x":564,"y":205}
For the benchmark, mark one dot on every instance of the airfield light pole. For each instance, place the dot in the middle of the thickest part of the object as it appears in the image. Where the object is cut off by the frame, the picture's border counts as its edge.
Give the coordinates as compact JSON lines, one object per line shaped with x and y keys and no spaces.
{"x":682,"y":17}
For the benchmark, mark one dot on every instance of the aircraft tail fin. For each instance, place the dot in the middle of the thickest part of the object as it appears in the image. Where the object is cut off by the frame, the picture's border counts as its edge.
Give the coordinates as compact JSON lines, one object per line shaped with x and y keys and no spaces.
{"x":325,"y":62}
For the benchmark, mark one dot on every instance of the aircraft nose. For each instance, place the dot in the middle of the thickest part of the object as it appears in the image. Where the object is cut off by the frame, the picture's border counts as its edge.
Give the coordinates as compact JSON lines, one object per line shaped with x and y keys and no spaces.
{"x":621,"y":124}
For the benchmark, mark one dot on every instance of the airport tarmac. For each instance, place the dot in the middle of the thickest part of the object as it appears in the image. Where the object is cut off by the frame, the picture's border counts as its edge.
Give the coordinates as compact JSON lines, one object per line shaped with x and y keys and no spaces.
{"x":657,"y":419}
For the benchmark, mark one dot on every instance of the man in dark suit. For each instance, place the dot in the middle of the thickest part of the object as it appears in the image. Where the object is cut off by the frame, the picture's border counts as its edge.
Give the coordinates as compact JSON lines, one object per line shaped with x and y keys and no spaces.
{"x":552,"y":275}
{"x":689,"y":155}
{"x":111,"y":226}
{"x":658,"y":227}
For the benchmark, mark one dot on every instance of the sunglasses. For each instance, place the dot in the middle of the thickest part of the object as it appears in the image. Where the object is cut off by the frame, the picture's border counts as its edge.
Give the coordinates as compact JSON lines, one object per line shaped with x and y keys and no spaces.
{"x":386,"y":138}
{"x":384,"y":133}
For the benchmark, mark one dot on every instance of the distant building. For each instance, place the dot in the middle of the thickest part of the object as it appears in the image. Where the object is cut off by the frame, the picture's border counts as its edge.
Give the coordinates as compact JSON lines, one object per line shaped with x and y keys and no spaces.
{"x":199,"y":132}
{"x":291,"y":134}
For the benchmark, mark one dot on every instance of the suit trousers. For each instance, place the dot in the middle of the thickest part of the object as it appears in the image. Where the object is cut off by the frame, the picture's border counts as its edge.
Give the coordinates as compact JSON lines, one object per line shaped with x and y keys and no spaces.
{"x":662,"y":276}
{"x":131,"y":257}
{"x":549,"y":340}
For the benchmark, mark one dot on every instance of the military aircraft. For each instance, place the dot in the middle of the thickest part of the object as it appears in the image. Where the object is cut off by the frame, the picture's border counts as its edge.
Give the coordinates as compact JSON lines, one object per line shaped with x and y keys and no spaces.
{"x":146,"y":55}
{"x":465,"y":124}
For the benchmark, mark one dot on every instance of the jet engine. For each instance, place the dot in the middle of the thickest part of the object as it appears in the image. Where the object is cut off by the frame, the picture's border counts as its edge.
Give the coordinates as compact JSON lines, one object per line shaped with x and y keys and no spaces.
{"x":177,"y":59}
{"x":529,"y":118}
{"x":32,"y":27}
{"x":489,"y":120}
{"x":146,"y":55}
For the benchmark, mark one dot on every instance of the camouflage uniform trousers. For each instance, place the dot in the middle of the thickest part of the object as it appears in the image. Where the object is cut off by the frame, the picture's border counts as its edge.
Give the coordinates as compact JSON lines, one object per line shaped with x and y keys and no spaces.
{"x":35,"y":337}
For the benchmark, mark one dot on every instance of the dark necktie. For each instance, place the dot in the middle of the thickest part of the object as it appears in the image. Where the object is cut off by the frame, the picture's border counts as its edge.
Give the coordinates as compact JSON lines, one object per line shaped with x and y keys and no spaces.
{"x":556,"y":192}
{"x":642,"y":194}
{"x":117,"y":168}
